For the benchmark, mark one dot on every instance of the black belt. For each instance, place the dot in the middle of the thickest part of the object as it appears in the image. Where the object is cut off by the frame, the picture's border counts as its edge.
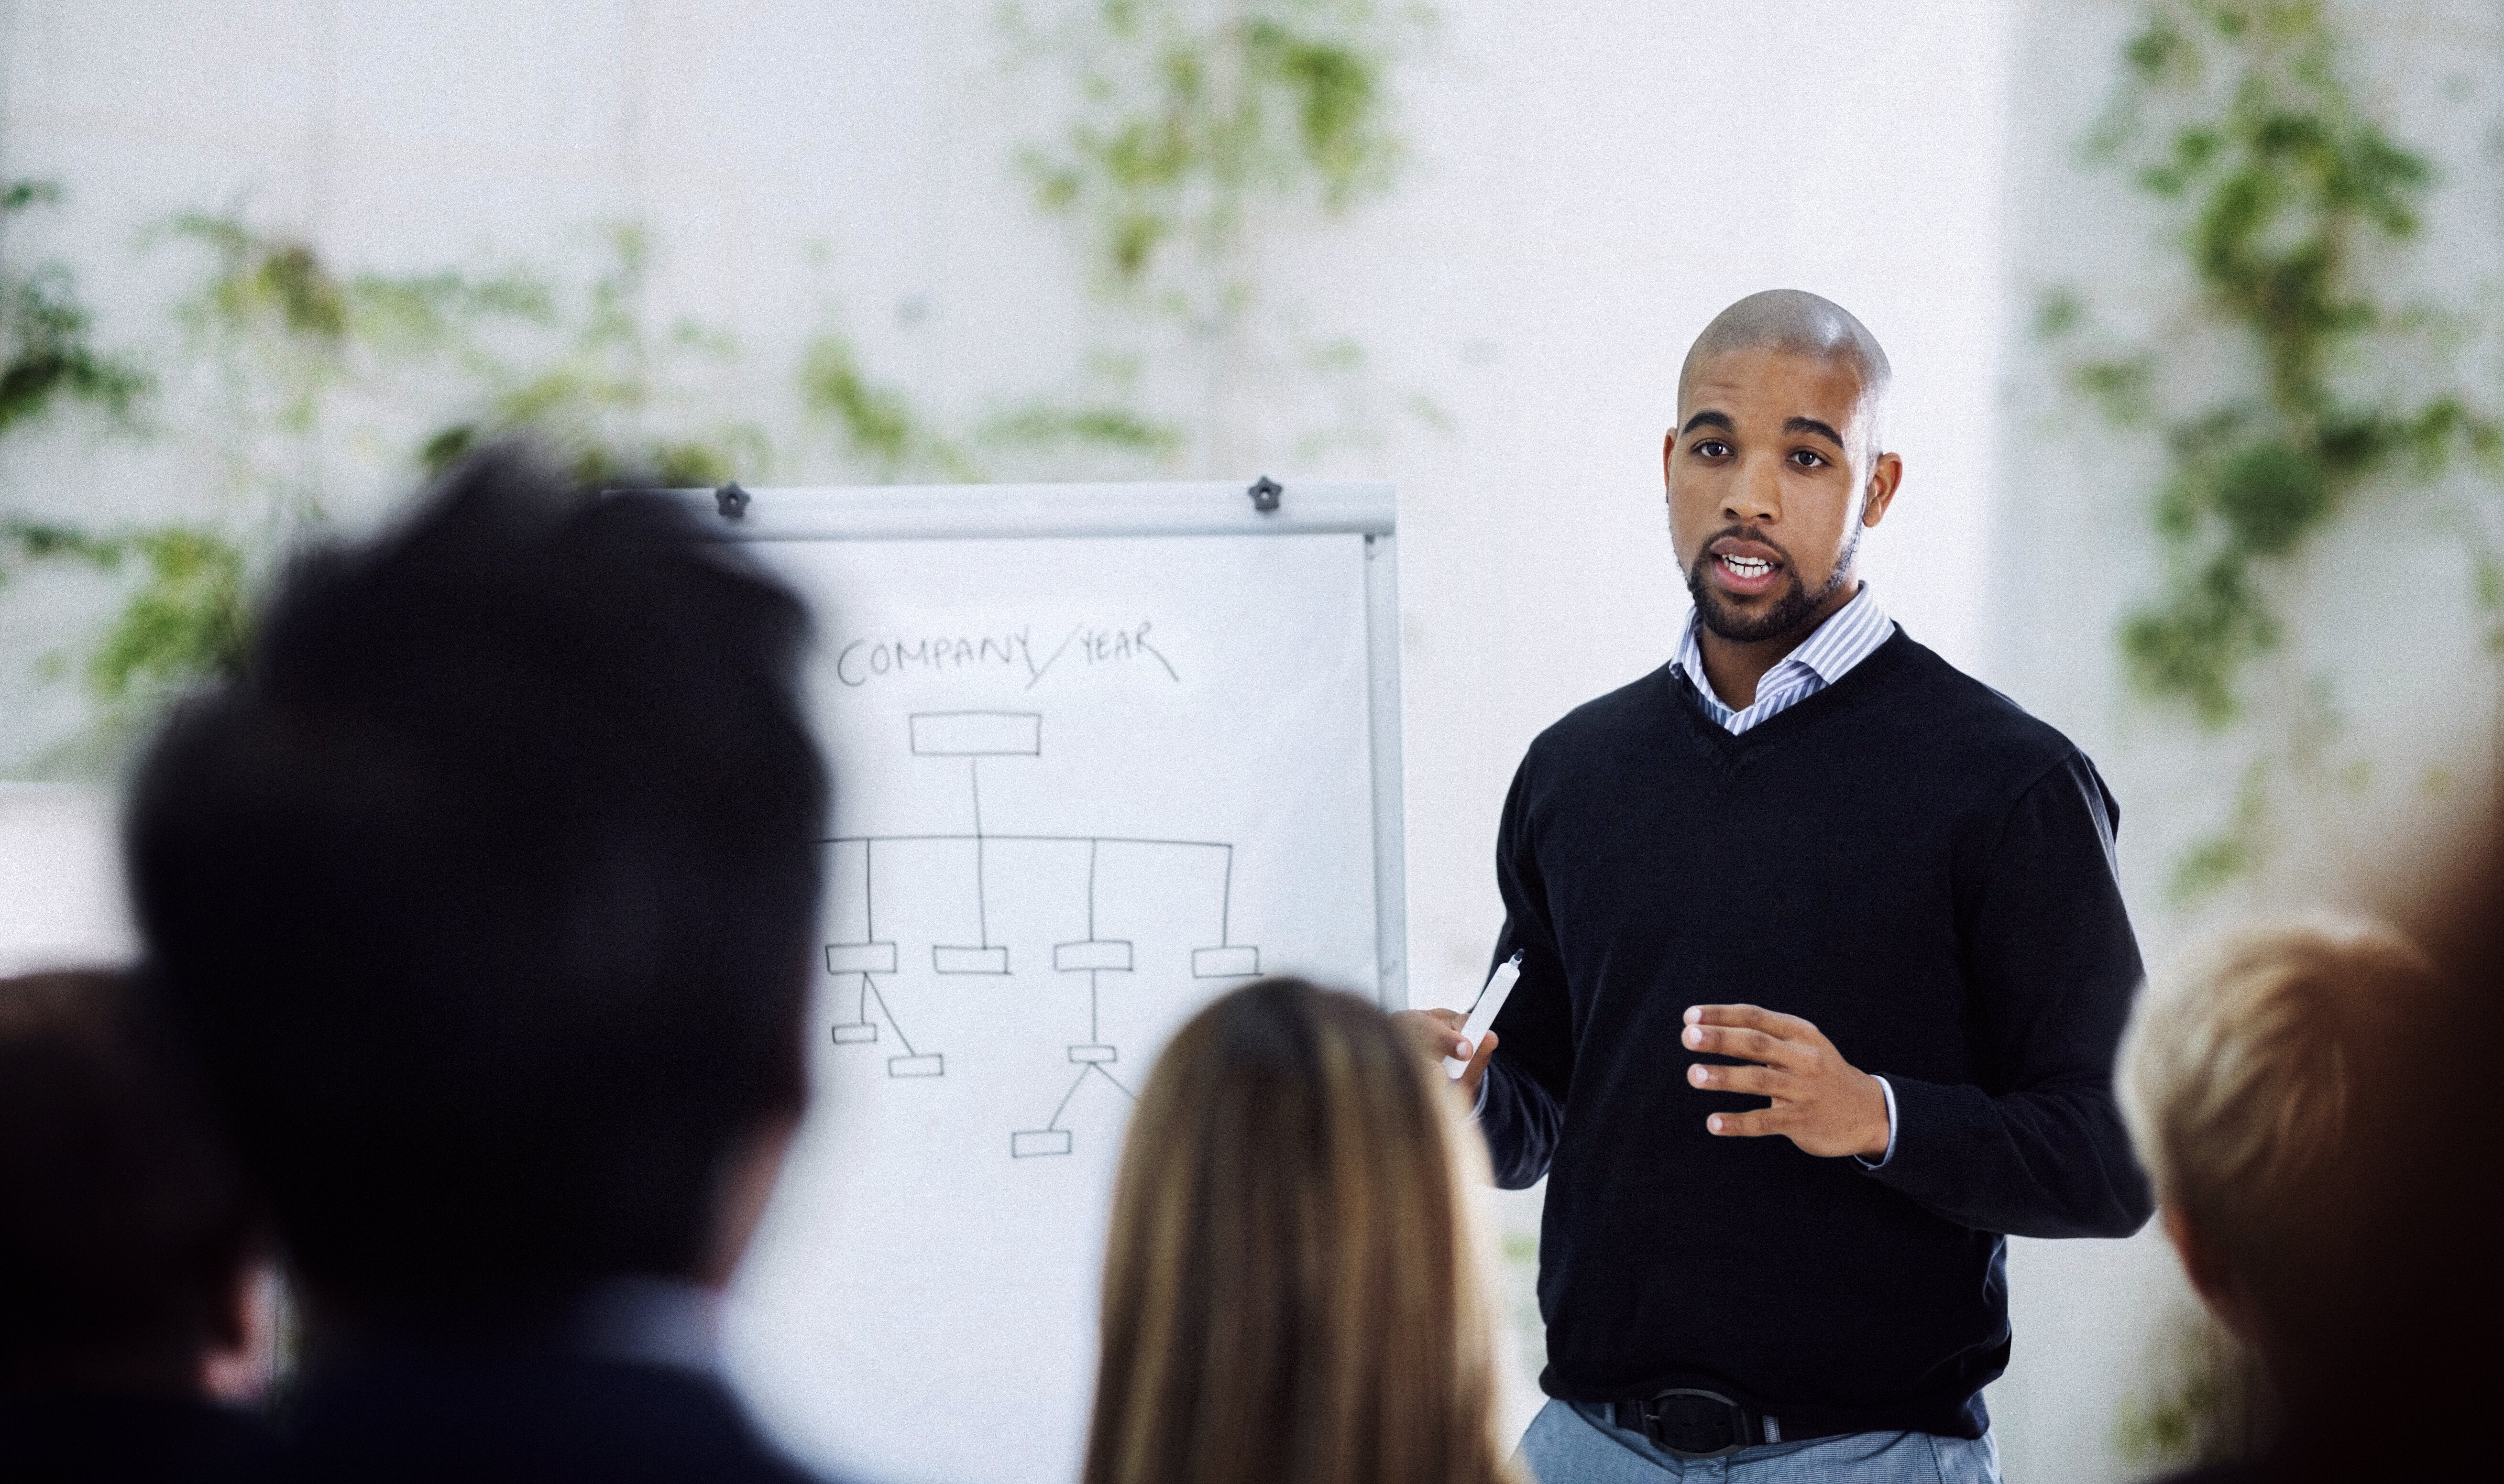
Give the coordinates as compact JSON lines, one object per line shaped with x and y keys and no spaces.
{"x":1697,"y":1424}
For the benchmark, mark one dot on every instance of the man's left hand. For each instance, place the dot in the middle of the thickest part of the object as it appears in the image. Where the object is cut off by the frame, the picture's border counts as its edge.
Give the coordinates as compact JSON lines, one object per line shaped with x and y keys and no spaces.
{"x":1821,"y":1102}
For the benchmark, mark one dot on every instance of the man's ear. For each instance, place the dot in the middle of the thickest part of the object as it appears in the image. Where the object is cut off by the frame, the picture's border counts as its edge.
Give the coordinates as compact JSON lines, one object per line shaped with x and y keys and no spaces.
{"x":1886,"y":476}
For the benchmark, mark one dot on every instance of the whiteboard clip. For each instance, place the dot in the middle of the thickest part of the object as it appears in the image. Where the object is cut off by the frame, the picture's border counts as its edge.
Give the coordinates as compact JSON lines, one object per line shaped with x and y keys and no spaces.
{"x":731,"y":500}
{"x":1264,"y":492}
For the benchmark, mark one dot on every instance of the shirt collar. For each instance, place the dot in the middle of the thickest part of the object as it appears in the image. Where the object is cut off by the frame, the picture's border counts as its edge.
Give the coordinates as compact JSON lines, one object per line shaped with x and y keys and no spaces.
{"x":1849,"y":635}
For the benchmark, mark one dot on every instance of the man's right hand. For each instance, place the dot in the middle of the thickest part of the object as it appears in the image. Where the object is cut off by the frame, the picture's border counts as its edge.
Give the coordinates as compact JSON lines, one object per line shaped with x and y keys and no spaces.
{"x":1437,"y":1034}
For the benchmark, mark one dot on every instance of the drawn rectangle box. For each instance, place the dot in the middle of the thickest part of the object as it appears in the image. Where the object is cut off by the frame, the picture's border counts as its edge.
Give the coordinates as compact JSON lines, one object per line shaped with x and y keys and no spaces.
{"x":1038,"y":1141}
{"x":846,"y":1035}
{"x":860,"y":958}
{"x":1091,"y":954}
{"x":969,"y":960}
{"x":916,"y":1066}
{"x":1225,"y":963}
{"x":1093,"y":1053}
{"x":978,"y":734}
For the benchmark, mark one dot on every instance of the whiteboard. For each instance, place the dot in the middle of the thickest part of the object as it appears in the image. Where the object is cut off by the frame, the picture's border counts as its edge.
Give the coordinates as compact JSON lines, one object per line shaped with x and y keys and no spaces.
{"x":1100,"y":755}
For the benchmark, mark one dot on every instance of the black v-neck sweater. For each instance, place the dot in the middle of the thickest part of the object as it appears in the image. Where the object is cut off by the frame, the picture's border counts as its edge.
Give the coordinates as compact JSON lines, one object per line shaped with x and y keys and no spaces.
{"x":1925,"y":873}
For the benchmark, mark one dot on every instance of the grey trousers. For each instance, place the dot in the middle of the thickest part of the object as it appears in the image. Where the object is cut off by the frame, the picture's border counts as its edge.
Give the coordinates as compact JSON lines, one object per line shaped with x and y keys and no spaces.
{"x":1575,"y":1443}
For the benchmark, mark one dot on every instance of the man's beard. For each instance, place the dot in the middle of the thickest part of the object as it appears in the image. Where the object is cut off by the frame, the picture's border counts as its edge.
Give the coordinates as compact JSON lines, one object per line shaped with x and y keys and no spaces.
{"x":1789,"y":610}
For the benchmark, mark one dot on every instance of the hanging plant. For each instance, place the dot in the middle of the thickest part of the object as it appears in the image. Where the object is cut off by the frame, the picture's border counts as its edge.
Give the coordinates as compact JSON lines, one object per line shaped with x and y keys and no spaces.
{"x":594,"y":380}
{"x":1191,"y":113}
{"x":1191,"y":132}
{"x":2290,"y":206}
{"x":47,"y":358}
{"x":2235,"y":115}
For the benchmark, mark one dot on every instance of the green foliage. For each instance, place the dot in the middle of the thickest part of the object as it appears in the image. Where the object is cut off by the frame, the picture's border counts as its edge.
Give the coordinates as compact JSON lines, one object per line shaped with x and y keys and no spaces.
{"x":1051,"y":424}
{"x":287,"y":332}
{"x":2211,"y":1404}
{"x":45,"y":356}
{"x":1185,"y":117}
{"x":188,"y":618}
{"x":185,"y":614}
{"x":285,"y":339}
{"x":880,"y":427}
{"x":1190,"y":112}
{"x":1188,"y":131}
{"x":618,"y":399}
{"x":2235,"y":115}
{"x":2486,"y":576}
{"x":283,"y":335}
{"x":878,"y":423}
{"x":2232,"y":853}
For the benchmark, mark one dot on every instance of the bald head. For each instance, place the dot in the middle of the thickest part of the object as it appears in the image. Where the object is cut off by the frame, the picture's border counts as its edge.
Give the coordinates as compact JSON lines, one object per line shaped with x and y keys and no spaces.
{"x":1798,"y":322}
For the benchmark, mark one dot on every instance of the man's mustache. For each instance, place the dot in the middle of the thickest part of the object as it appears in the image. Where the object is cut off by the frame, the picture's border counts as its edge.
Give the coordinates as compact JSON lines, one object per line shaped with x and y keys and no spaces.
{"x":1704,"y":553}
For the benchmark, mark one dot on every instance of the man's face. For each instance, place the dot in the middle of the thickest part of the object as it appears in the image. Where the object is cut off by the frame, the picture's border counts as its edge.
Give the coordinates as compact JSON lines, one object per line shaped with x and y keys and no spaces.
{"x":1766,"y":501}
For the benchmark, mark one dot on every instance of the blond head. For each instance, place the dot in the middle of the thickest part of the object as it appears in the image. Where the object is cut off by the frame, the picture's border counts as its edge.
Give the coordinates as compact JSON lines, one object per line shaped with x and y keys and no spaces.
{"x":2259,"y":1079}
{"x":1290,"y":1284}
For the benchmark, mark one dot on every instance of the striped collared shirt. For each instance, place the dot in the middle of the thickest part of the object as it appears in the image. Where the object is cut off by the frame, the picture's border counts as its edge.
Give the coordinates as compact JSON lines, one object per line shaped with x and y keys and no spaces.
{"x":1850,"y":635}
{"x":1853,"y":634}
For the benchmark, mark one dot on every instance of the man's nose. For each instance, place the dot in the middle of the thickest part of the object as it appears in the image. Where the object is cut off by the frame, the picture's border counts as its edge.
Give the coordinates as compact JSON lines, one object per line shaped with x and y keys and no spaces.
{"x":1756,"y":495}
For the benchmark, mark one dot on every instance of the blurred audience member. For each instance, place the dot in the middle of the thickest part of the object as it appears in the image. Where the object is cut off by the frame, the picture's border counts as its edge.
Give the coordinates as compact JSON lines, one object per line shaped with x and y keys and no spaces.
{"x":128,"y":1251}
{"x":1290,"y":1293}
{"x":2280,"y":1091}
{"x":486,"y":895}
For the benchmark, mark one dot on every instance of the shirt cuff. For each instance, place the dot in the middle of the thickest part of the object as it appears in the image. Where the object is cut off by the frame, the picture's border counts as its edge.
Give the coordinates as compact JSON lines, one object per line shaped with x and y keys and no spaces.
{"x":1878,"y":1163}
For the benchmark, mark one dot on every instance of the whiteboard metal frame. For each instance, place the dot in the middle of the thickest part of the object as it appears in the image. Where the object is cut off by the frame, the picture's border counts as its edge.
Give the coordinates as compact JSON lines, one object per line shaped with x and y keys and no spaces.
{"x":930,"y":513}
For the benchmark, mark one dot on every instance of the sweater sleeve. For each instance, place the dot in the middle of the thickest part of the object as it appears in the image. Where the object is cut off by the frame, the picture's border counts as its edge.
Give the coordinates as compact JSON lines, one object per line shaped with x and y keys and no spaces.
{"x":1522,"y":1102}
{"x":2052,"y":963}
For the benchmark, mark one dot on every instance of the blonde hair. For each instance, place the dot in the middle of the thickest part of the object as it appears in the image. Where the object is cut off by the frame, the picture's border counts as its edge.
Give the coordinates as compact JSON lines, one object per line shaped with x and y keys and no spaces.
{"x":2260,"y":1081}
{"x":1291,"y":1291}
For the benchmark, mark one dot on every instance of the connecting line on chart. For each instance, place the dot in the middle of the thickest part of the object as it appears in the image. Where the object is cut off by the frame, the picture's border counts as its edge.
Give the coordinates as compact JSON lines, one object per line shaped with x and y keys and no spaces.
{"x":861,"y":1027}
{"x":1052,"y":1138}
{"x":976,"y":735}
{"x":1096,"y":956}
{"x":869,"y":987}
{"x":862,"y":959}
{"x":1224,"y":959}
{"x":981,"y":904}
{"x":1094,"y":1034}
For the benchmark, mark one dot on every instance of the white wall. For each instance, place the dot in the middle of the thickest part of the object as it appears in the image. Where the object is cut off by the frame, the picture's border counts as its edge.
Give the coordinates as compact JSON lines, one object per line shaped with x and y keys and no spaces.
{"x":1591,"y":183}
{"x":61,"y":879}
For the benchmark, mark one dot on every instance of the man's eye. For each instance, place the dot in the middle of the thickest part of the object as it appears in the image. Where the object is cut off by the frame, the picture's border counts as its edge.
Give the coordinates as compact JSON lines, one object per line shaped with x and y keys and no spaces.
{"x":1711,"y":448}
{"x":1807,"y":458}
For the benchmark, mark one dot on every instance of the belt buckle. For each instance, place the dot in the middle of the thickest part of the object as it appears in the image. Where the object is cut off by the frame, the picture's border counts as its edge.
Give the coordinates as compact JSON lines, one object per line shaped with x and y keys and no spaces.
{"x":1682,"y":1421}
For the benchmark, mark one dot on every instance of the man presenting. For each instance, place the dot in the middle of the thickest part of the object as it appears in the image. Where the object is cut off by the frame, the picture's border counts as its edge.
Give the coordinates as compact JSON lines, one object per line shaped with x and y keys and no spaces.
{"x":1823,"y":962}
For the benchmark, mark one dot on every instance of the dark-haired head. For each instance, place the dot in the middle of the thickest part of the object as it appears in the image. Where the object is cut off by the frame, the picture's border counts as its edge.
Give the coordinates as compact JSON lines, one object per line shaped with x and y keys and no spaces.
{"x":485,"y":892}
{"x":127,"y":1235}
{"x":1775,"y":463}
